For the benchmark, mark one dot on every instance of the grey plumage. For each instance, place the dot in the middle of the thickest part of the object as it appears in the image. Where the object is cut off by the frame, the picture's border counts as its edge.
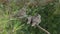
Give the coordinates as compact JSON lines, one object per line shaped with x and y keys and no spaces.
{"x":36,"y":19}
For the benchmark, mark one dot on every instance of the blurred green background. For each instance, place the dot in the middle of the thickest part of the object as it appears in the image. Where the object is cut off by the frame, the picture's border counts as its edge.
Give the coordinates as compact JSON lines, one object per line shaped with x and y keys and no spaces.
{"x":48,"y":9}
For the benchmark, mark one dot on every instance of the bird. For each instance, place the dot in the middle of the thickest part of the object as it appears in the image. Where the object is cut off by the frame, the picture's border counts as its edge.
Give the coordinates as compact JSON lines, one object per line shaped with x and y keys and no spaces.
{"x":34,"y":20}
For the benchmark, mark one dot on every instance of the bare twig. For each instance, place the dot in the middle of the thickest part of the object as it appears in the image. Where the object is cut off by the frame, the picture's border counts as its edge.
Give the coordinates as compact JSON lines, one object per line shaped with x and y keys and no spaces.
{"x":35,"y":22}
{"x":43,"y":29}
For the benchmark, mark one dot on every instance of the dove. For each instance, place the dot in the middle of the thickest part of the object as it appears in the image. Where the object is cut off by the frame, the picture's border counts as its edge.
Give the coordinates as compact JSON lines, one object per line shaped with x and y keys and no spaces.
{"x":35,"y":21}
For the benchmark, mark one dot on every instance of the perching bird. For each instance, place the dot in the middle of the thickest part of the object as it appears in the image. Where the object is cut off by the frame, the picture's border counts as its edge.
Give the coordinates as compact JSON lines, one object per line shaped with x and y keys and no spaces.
{"x":34,"y":20}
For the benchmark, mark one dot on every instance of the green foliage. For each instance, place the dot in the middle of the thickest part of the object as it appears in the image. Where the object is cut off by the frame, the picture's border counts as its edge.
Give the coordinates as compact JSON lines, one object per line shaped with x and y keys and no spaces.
{"x":49,"y":13}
